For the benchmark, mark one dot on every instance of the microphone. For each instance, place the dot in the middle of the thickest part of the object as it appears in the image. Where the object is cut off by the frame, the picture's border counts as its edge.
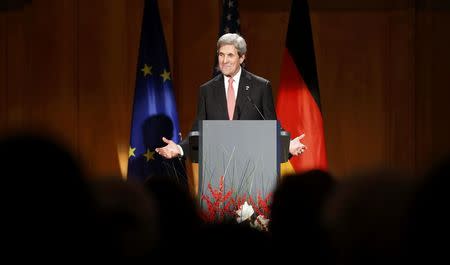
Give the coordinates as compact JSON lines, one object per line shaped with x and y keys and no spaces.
{"x":256,"y":107}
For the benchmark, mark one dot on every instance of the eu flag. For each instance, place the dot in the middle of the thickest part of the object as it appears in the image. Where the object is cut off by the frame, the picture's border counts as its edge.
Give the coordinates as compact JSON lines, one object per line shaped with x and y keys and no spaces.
{"x":154,"y":107}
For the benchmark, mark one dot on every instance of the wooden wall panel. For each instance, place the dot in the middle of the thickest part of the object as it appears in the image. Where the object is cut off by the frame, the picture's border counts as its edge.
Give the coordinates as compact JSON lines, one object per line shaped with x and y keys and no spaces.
{"x":359,"y":4}
{"x":133,"y":21}
{"x":53,"y":91}
{"x":134,"y":12}
{"x":3,"y":70}
{"x":399,"y":96}
{"x":102,"y":84}
{"x":194,"y":52}
{"x":18,"y":70}
{"x":352,"y":53}
{"x":195,"y":35}
{"x":431,"y":83}
{"x":264,"y":26}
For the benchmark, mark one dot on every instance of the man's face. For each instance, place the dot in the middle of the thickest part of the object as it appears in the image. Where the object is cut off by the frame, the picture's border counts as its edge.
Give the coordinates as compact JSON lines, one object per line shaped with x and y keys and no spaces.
{"x":229,"y":60}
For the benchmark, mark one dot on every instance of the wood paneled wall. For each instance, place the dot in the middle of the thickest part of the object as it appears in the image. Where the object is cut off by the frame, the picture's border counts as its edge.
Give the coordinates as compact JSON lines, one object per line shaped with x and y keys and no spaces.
{"x":67,"y":68}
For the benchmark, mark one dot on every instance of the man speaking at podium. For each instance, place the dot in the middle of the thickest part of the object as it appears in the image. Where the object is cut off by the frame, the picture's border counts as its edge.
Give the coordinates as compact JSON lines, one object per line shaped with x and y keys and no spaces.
{"x":235,"y":94}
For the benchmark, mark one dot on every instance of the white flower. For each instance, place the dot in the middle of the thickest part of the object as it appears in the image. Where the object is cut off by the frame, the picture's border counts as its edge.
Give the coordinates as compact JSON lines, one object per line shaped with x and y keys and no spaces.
{"x":261,"y":223}
{"x":245,"y":211}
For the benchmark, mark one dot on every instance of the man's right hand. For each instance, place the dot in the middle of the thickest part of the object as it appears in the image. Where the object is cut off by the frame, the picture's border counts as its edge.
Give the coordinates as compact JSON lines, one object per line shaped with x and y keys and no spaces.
{"x":170,"y":150}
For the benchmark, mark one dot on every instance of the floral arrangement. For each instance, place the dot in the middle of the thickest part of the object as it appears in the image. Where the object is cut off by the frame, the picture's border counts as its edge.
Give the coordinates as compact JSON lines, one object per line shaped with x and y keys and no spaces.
{"x":223,"y":205}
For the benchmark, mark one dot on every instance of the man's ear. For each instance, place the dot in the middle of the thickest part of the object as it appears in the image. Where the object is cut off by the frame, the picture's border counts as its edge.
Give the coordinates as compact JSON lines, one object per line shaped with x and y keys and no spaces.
{"x":241,"y":59}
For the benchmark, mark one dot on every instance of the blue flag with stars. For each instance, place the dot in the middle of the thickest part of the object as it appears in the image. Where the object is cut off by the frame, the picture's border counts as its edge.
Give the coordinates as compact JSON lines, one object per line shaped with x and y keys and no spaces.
{"x":229,"y":24}
{"x":154,"y":107}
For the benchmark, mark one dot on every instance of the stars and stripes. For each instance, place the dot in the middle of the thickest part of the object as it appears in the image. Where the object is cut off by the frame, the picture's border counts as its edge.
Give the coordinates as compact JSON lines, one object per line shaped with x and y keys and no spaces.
{"x":230,"y":23}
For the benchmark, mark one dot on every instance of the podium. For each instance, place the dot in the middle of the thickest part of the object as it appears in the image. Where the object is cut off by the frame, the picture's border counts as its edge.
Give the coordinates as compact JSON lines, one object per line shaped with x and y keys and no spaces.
{"x":239,"y":165}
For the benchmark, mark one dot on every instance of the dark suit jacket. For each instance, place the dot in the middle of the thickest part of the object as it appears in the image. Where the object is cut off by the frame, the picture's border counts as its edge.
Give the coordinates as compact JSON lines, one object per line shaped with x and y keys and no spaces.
{"x":212,"y":102}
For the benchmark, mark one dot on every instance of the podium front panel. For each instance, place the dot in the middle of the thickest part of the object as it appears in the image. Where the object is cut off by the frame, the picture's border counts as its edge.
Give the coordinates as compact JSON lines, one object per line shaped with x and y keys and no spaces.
{"x":239,"y":162}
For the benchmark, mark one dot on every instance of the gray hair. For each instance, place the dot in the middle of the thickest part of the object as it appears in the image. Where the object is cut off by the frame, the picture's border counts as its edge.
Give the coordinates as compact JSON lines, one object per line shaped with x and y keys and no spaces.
{"x":233,"y":39}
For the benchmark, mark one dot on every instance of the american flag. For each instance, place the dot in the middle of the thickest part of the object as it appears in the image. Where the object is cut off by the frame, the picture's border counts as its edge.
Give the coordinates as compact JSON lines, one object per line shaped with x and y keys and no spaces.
{"x":229,"y":24}
{"x":230,"y":17}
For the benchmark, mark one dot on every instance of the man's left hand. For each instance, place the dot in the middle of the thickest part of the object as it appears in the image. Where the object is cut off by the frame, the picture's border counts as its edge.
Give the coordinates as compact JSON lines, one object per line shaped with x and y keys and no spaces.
{"x":296,"y":147}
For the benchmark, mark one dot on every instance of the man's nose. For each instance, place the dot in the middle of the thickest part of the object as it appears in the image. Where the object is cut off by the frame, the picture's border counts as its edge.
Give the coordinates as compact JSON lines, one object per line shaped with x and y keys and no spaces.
{"x":226,"y":59}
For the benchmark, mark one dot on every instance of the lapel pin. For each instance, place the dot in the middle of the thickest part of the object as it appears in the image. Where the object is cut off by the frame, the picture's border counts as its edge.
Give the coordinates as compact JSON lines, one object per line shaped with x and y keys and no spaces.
{"x":246,"y":88}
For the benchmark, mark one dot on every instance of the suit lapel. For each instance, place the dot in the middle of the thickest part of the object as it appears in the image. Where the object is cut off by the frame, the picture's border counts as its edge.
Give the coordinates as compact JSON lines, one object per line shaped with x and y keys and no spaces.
{"x":244,"y":85}
{"x":219,"y":94}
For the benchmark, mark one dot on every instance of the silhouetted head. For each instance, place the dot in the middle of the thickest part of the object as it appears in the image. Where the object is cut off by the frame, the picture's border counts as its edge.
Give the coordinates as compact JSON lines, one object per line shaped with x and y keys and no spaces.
{"x":296,"y":216}
{"x":46,"y":202}
{"x":429,"y":221}
{"x":298,"y":201}
{"x":367,"y":216}
{"x":178,"y":215}
{"x":129,"y":219}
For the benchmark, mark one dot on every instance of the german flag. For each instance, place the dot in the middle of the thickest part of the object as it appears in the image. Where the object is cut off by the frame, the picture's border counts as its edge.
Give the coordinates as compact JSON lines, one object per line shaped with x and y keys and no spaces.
{"x":298,"y":102}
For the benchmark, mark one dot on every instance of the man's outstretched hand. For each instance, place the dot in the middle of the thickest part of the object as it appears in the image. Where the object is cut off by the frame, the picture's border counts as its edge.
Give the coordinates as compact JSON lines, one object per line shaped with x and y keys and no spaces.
{"x":169,"y":151}
{"x":296,"y":147}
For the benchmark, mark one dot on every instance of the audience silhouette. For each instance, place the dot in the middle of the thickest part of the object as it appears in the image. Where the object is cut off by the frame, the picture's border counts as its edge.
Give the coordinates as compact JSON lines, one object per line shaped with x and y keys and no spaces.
{"x":129,"y":219}
{"x":179,"y":220}
{"x":48,"y":205}
{"x":52,"y":211}
{"x":428,"y":221}
{"x":296,"y":217}
{"x":366,"y":217}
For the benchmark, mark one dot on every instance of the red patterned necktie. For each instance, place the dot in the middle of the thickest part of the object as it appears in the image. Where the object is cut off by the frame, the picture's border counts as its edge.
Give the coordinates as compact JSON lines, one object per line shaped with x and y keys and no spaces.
{"x":231,"y":100}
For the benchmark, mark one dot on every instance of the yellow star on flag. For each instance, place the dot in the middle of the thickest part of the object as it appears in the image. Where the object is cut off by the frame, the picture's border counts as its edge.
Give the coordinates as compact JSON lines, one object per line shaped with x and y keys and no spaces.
{"x":165,"y":75}
{"x":131,"y":152}
{"x":149,"y":155}
{"x":147,"y":70}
